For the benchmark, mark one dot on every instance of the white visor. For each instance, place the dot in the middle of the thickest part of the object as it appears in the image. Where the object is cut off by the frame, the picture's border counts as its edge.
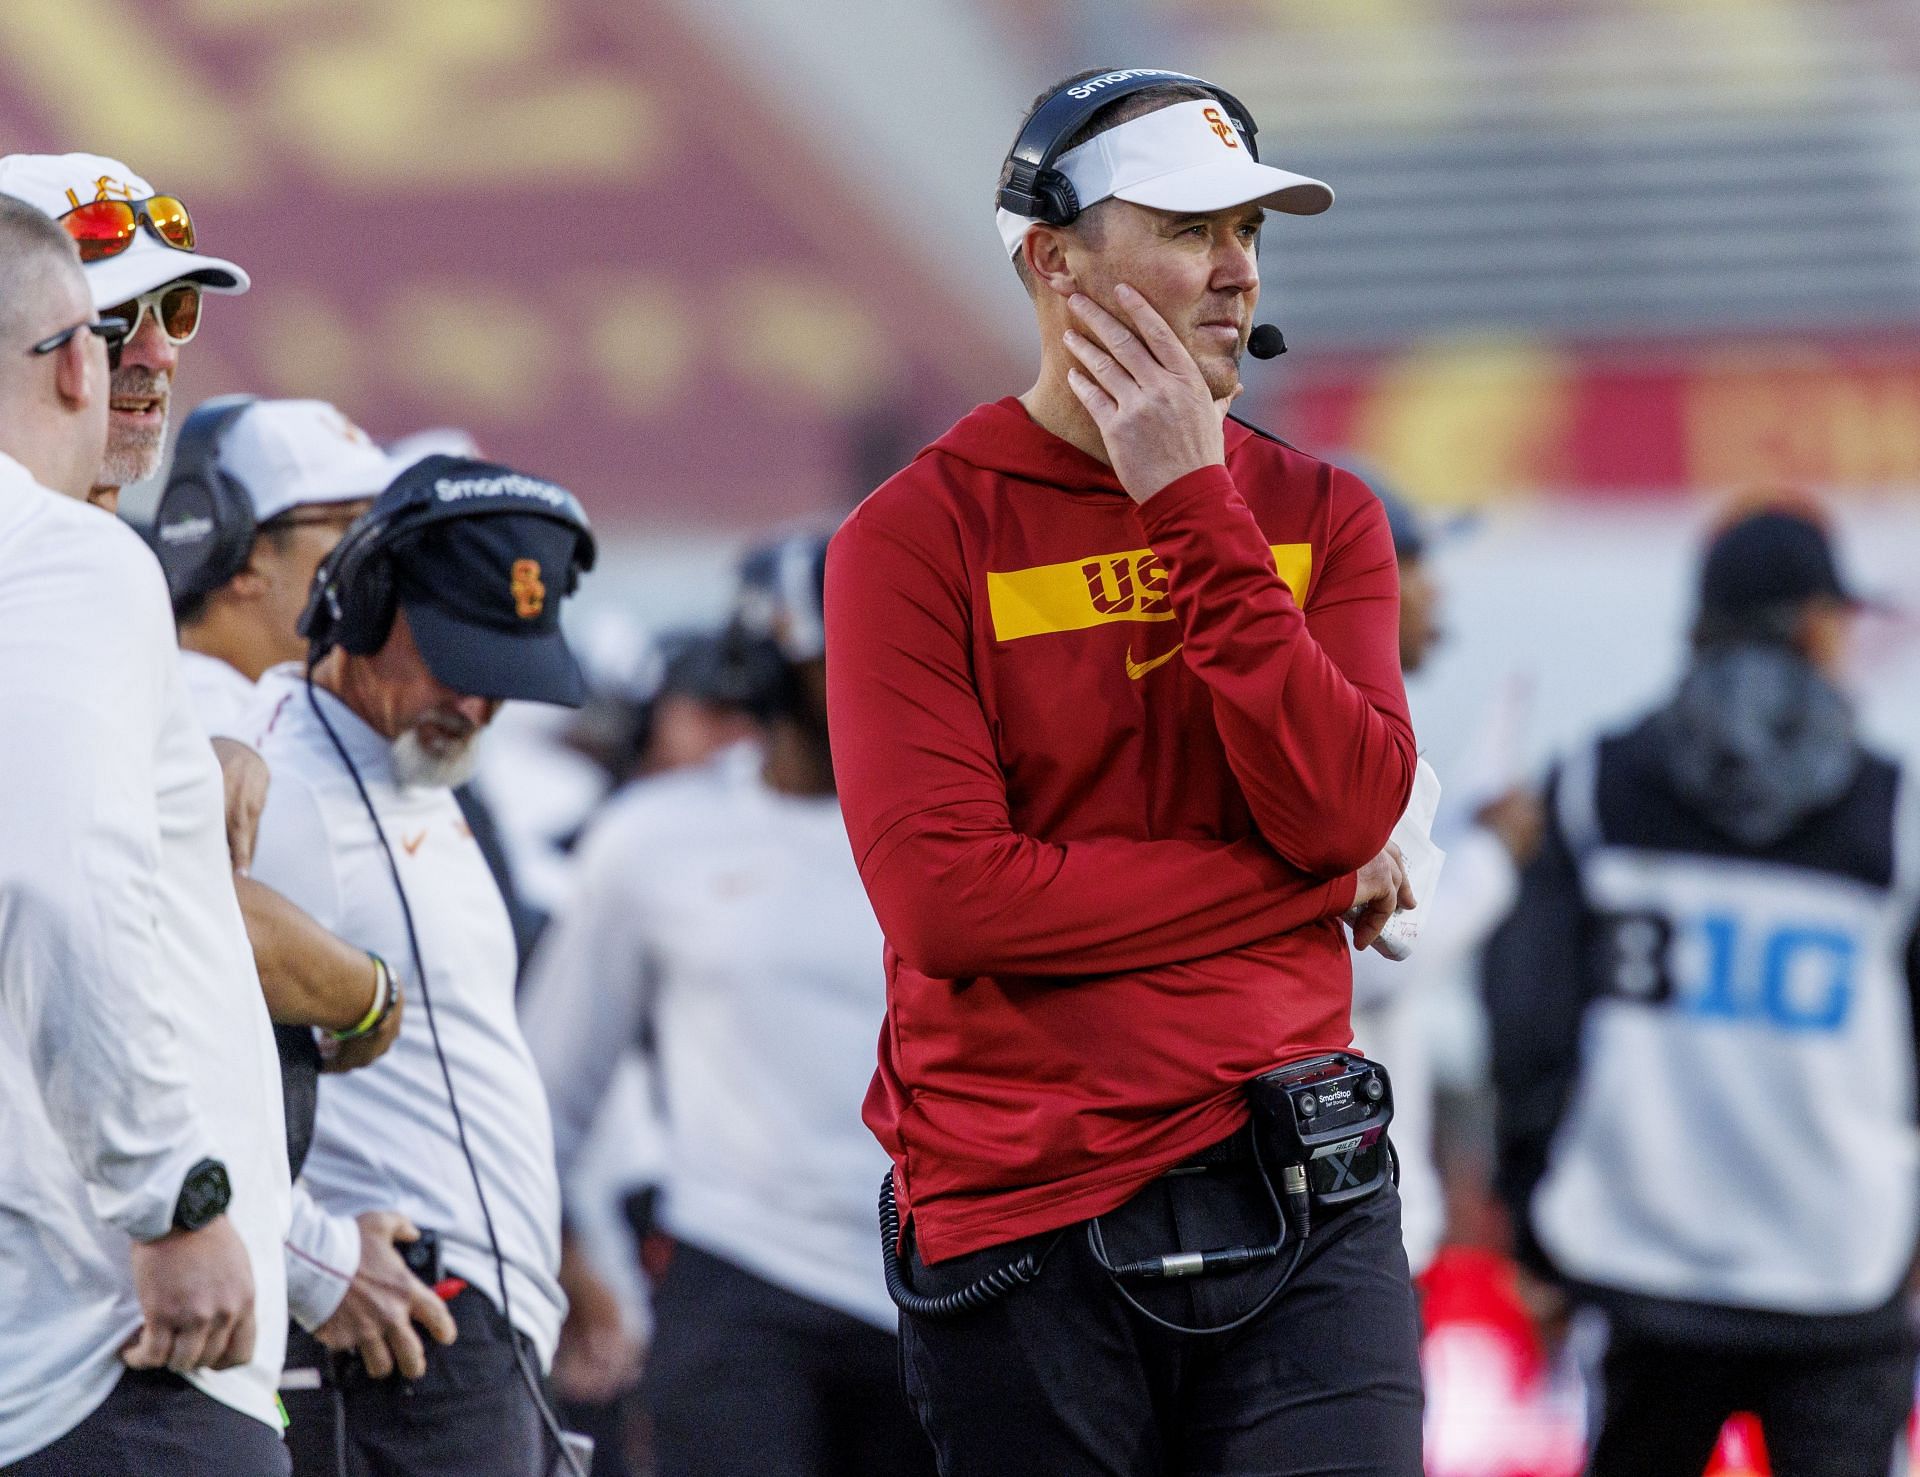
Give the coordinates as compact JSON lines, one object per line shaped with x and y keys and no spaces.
{"x":1187,"y":158}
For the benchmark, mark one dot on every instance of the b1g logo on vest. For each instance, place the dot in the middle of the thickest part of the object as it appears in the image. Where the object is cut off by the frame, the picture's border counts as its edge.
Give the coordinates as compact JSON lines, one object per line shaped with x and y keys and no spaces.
{"x":1715,"y":965}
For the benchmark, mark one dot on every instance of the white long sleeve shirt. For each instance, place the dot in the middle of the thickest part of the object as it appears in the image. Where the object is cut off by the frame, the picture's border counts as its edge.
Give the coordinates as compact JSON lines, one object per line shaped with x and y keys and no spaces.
{"x":133,"y":1038}
{"x":732,"y":917}
{"x":323,"y":1251}
{"x":385,"y":1137}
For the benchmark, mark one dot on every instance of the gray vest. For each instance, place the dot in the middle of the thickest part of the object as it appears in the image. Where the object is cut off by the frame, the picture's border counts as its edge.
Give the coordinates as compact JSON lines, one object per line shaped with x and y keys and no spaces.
{"x":1743,"y":1130}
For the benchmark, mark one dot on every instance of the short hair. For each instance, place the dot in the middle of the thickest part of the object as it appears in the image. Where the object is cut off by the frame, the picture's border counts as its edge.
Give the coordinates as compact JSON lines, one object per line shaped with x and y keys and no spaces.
{"x":34,"y":249}
{"x":1123,"y":109}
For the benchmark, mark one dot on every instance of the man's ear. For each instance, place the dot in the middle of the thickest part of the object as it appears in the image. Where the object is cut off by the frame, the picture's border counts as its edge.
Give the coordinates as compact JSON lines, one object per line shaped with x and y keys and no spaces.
{"x":252,"y":581}
{"x":1046,"y":256}
{"x":80,"y":372}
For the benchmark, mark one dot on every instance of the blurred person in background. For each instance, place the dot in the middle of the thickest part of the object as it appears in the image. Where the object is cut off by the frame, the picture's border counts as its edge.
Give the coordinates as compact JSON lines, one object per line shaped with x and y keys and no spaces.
{"x":1482,"y":877}
{"x":717,"y":914}
{"x":696,"y":694}
{"x":676,"y":701}
{"x":1121,"y":737}
{"x":138,"y":247}
{"x":443,"y":602}
{"x":143,"y":1189}
{"x":1496,"y":1406}
{"x":1704,"y":1039}
{"x":258,"y":493}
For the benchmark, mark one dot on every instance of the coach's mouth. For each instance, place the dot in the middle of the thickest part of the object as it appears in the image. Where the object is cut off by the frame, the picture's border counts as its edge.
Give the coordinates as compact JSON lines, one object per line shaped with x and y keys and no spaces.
{"x":138,"y":407}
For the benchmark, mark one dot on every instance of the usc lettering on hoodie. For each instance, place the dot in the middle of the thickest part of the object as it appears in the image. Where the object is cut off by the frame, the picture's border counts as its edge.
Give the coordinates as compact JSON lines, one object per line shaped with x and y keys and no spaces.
{"x":1107,"y":770}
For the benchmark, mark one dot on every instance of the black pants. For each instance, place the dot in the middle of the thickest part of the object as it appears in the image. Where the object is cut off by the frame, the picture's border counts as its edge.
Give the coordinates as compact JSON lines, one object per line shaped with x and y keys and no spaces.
{"x":470,"y":1413}
{"x":155,"y":1424}
{"x":749,"y":1380}
{"x":1664,"y":1405}
{"x":1061,"y":1378}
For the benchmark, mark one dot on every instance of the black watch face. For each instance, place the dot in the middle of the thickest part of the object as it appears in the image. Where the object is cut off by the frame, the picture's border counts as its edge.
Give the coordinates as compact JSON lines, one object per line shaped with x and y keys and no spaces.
{"x":205,"y":1195}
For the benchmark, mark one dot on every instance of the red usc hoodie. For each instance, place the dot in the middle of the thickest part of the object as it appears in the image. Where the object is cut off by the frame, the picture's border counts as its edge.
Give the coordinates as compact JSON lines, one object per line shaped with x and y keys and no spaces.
{"x":1107,"y":771}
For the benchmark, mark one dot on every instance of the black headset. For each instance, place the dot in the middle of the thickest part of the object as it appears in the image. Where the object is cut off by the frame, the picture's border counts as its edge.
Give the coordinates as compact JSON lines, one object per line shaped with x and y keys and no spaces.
{"x":353,"y":599}
{"x":1037,"y":190}
{"x":203,"y":526}
{"x":352,"y":606}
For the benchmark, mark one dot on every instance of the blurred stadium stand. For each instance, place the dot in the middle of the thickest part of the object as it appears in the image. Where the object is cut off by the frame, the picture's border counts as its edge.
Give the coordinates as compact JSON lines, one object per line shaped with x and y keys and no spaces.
{"x":721,"y":265}
{"x":1595,"y":172}
{"x":573,"y":227}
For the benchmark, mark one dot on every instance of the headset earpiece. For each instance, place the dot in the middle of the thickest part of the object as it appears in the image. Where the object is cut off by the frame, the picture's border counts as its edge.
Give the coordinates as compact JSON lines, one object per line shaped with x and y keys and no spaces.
{"x":203,"y":526}
{"x":351,"y":605}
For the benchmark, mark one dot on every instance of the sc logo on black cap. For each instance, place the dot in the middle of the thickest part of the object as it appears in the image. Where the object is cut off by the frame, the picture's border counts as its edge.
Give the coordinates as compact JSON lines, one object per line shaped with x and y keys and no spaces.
{"x":529,"y":593}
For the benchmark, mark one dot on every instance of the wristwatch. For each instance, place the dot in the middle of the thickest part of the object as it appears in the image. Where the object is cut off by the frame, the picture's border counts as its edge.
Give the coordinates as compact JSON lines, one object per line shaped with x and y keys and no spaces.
{"x":204,"y":1196}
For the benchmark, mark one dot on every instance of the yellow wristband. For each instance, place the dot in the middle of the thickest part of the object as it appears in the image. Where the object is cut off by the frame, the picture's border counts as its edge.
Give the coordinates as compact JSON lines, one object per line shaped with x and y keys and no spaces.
{"x":382,"y":999}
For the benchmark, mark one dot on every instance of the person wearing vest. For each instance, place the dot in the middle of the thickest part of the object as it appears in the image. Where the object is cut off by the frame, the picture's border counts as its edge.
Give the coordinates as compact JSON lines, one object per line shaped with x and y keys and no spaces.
{"x":1703,"y":1039}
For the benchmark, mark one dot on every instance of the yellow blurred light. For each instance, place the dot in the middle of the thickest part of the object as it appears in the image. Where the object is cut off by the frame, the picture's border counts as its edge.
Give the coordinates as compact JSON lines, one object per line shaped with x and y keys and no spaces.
{"x":1463,"y":421}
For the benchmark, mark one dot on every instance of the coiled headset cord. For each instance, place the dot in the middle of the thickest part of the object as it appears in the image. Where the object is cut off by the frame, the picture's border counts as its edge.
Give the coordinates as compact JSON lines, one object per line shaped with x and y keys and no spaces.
{"x":1025,"y":1268}
{"x":975,"y":1295}
{"x":527,"y":1376}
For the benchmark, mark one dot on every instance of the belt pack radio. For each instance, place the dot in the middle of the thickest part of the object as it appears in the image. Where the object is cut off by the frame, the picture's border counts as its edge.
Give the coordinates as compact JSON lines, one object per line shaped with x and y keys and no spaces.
{"x":1324,"y":1120}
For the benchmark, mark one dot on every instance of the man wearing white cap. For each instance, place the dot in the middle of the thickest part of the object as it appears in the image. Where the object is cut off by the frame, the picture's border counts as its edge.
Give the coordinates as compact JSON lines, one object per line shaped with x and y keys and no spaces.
{"x":259,"y":493}
{"x":143,"y":1192}
{"x":1120,"y":738}
{"x":138,"y":248}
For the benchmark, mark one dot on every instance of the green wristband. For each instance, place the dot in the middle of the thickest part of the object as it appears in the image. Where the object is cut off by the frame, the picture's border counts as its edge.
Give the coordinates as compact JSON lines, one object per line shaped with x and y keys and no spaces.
{"x":386,"y":992}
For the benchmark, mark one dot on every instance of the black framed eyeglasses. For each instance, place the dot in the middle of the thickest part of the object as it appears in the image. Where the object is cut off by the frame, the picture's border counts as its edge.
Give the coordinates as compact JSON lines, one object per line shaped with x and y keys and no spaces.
{"x":113,"y":330}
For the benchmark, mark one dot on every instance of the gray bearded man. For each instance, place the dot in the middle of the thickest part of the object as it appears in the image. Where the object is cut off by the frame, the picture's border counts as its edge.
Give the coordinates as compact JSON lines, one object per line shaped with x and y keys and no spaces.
{"x":138,"y":249}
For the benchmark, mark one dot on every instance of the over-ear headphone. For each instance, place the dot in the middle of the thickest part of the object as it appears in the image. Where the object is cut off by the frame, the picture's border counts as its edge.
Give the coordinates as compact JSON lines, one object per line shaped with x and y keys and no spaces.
{"x":1037,"y":190}
{"x":203,"y":526}
{"x":353,"y":600}
{"x":777,"y":623}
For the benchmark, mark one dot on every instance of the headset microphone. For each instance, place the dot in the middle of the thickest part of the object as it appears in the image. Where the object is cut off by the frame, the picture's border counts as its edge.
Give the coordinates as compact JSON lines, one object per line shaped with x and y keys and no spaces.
{"x":1265,"y":342}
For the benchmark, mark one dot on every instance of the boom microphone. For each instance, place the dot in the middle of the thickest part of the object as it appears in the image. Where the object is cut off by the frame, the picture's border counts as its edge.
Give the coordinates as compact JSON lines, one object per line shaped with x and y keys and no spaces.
{"x":1265,"y":342}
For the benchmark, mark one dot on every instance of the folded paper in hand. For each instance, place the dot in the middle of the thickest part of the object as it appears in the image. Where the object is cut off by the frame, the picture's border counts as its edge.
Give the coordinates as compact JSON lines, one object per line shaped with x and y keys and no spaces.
{"x":1413,"y":834}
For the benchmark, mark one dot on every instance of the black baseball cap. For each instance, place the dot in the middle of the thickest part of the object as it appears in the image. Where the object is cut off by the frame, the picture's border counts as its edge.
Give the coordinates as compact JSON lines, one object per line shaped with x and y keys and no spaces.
{"x":483,"y":595}
{"x":1771,"y":558}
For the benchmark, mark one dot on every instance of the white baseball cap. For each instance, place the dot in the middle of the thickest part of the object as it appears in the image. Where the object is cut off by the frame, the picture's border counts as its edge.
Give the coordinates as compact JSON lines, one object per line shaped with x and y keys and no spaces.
{"x":1187,"y":158}
{"x":292,"y":453}
{"x":58,"y":183}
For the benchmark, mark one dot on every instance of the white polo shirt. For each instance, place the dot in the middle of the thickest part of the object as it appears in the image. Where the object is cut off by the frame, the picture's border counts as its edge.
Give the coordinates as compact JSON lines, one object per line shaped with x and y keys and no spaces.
{"x":730,"y":917}
{"x":133,"y":1037}
{"x":385,"y":1137}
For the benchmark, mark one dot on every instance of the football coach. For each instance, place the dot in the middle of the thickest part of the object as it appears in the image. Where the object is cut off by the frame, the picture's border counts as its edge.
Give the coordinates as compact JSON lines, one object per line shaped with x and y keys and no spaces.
{"x":1120,"y":737}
